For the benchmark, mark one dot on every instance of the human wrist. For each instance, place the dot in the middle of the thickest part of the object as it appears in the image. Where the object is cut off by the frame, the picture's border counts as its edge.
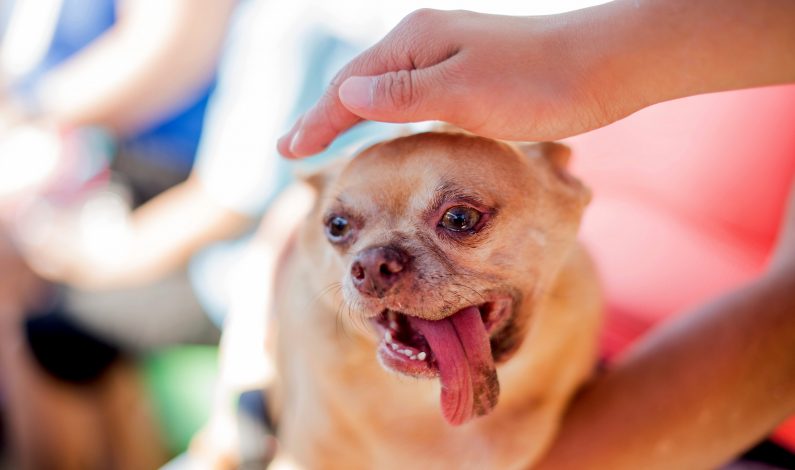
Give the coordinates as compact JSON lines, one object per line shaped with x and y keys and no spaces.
{"x":637,"y":53}
{"x":604,"y":78}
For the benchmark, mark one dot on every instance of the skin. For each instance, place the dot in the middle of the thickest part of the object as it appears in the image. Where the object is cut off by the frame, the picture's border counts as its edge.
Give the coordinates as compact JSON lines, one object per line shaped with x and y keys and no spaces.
{"x":727,"y":366}
{"x":161,"y":237}
{"x":729,"y":372}
{"x":156,"y":56}
{"x":545,"y":78}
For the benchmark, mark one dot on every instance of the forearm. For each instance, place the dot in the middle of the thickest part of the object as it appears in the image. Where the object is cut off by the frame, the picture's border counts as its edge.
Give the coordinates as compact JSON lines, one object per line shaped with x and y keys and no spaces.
{"x":162,"y":236}
{"x":168,"y":230}
{"x":693,"y":394}
{"x":699,"y":390}
{"x":155,"y":57}
{"x":634,"y":53}
{"x":551,"y":77}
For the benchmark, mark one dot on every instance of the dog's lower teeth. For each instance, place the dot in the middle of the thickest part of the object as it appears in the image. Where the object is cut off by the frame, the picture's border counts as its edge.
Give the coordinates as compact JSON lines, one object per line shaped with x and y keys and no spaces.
{"x":390,"y":335}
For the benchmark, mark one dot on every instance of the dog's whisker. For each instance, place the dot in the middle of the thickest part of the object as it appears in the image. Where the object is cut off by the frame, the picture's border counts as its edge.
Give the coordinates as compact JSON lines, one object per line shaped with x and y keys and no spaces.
{"x":340,"y":328}
{"x":356,"y":320}
{"x":468,"y":300}
{"x":349,"y":308}
{"x":323,"y":292}
{"x":419,"y":302}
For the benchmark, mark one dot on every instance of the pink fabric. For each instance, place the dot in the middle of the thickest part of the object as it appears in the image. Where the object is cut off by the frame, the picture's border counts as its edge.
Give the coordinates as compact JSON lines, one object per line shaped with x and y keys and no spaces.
{"x":688,"y":197}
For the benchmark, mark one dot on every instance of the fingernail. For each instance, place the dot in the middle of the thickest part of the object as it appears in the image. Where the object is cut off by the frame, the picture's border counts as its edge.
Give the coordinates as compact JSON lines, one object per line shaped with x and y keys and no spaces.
{"x":357,"y":92}
{"x":285,"y":143}
{"x":296,"y":142}
{"x":283,"y":146}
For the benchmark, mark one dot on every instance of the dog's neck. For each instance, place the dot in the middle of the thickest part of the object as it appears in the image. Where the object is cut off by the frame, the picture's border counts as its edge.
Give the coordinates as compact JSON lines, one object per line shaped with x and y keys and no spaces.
{"x":338,"y":388}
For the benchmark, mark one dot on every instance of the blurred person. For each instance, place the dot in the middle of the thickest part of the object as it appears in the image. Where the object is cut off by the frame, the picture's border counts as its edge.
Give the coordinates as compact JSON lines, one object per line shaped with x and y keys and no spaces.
{"x":693,"y":209}
{"x":142,"y":70}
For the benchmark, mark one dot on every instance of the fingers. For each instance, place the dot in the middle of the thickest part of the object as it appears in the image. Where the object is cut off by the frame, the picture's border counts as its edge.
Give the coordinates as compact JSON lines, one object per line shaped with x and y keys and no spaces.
{"x":396,"y":96}
{"x":392,"y":81}
{"x":399,"y":96}
{"x":316,"y":129}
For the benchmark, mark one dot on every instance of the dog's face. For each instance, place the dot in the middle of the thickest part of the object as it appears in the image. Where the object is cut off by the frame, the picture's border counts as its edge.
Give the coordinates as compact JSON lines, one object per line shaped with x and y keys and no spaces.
{"x":442,"y":242}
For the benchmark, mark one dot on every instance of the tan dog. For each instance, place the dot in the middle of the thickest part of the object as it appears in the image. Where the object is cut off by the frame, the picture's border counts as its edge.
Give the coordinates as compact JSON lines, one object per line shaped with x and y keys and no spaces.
{"x":435,"y":309}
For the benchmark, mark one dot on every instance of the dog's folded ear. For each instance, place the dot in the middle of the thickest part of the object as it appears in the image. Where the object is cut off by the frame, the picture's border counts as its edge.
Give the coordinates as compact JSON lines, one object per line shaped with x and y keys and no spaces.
{"x":446,"y":127}
{"x":319,"y":178}
{"x":557,"y":155}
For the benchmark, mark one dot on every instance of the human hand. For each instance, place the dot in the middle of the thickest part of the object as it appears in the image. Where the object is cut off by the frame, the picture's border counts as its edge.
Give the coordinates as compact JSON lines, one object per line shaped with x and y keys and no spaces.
{"x":515,"y":78}
{"x":86,"y":245}
{"x":545,"y":78}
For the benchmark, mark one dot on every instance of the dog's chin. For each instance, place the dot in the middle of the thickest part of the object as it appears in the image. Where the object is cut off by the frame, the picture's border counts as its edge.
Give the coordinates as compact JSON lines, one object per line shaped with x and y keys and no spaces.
{"x":402,"y":348}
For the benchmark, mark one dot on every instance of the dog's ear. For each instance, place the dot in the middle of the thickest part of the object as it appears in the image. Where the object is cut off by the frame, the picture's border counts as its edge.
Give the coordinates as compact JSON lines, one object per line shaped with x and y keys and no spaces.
{"x":557,"y":154}
{"x":446,"y":127}
{"x":319,"y":178}
{"x":557,"y":157}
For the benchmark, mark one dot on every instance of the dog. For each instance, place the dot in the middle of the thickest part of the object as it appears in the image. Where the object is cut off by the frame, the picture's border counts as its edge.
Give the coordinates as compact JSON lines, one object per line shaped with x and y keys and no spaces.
{"x":435,"y":309}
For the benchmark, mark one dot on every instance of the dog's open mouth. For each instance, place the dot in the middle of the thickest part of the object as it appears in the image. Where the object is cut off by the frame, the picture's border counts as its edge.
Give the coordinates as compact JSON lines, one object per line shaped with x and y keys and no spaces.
{"x":457,"y":349}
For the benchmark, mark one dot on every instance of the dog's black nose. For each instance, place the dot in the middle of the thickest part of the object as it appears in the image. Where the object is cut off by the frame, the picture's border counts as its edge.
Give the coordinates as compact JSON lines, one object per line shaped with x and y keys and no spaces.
{"x":376,"y":270}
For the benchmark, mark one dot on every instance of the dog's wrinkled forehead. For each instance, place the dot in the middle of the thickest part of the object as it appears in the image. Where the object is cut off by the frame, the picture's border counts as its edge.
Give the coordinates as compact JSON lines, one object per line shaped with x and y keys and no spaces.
{"x":412,"y":174}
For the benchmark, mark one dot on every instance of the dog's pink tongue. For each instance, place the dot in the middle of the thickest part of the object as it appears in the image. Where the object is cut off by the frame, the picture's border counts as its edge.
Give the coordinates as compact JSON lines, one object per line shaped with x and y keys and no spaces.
{"x":466,"y":367}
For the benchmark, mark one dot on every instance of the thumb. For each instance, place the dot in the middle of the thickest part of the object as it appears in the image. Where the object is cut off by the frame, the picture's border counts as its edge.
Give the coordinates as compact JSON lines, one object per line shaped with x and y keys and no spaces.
{"x":400,"y":96}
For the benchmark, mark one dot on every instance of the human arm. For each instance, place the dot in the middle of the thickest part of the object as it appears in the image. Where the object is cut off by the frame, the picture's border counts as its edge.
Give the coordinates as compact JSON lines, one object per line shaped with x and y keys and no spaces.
{"x":544,"y":78}
{"x":159,"y":237}
{"x":697,"y":391}
{"x":155,"y":57}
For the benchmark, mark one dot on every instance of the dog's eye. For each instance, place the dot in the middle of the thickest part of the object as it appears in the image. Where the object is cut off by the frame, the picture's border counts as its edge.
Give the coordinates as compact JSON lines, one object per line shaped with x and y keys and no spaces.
{"x":460,"y":219}
{"x":337,"y":227}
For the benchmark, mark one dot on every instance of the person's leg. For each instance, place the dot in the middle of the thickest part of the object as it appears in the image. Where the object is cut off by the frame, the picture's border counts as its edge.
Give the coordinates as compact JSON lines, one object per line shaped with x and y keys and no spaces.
{"x":65,"y":371}
{"x":104,"y":423}
{"x":145,"y":318}
{"x":128,"y":420}
{"x":36,"y":408}
{"x":44,"y":414}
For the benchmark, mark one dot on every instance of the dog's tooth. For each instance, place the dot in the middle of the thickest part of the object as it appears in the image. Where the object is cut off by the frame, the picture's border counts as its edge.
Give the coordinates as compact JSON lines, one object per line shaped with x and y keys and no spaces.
{"x":408,"y":352}
{"x":388,"y":337}
{"x":413,"y":357}
{"x":421,"y":356}
{"x":394,"y":346}
{"x":393,"y":324}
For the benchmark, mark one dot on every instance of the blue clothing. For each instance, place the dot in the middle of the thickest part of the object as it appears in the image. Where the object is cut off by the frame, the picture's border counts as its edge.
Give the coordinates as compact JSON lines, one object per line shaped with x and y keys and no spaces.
{"x":174,"y":138}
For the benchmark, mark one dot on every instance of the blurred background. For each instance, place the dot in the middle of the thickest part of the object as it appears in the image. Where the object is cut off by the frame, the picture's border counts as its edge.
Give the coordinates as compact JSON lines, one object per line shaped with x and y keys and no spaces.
{"x":137,"y":158}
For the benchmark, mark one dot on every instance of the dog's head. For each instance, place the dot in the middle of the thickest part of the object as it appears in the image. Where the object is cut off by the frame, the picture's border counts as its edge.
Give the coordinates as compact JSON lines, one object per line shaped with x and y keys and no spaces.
{"x":443,"y":241}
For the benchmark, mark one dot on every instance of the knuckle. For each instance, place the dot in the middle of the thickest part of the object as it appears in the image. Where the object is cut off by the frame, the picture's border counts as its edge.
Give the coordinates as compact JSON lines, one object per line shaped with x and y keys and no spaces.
{"x":422,"y":15}
{"x":421,"y":19}
{"x":337,"y":80}
{"x":397,"y":88}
